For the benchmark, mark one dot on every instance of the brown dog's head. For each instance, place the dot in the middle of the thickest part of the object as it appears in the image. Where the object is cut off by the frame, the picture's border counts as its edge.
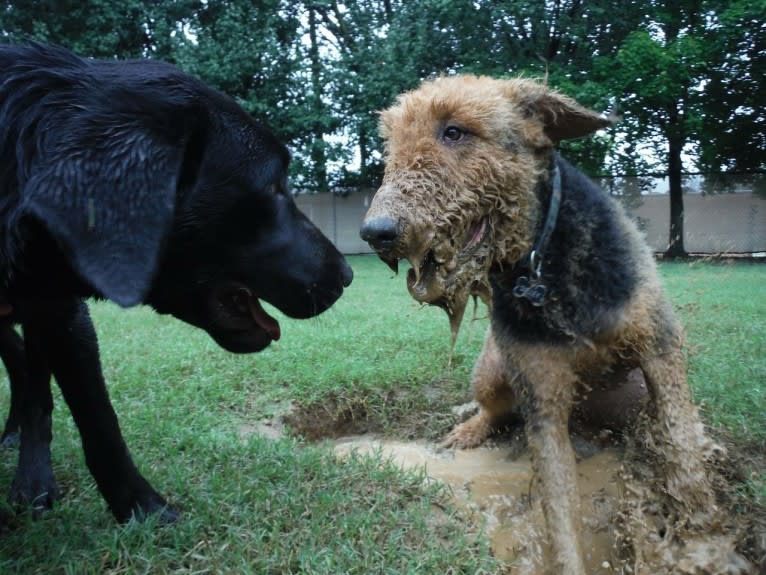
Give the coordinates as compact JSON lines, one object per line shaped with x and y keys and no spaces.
{"x":464,"y":156}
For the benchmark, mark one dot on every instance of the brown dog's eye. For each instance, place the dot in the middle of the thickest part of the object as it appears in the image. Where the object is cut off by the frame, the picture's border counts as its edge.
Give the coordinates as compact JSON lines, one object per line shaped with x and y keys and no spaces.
{"x":452,"y":134}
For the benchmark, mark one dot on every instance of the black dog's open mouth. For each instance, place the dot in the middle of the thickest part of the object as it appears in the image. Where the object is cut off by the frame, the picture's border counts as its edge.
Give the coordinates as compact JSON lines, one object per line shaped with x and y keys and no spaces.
{"x":241,"y":323}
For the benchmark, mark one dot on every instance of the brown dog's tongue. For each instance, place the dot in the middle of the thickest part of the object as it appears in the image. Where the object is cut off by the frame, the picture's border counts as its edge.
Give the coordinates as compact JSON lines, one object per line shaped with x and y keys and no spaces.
{"x":268,"y":323}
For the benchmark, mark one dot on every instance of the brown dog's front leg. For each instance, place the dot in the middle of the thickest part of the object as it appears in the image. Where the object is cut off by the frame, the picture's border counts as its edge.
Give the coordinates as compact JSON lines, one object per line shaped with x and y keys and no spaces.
{"x":679,"y":434}
{"x":494,"y":394}
{"x":546,"y":385}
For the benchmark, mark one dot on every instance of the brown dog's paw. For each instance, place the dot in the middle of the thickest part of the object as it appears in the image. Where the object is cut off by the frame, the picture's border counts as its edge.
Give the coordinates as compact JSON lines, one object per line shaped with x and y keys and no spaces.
{"x":470,"y":434}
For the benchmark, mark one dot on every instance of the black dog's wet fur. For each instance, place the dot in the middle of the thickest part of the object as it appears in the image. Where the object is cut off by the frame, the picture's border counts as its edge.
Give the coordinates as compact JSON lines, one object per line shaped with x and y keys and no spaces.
{"x":135,"y":182}
{"x":588,"y":267}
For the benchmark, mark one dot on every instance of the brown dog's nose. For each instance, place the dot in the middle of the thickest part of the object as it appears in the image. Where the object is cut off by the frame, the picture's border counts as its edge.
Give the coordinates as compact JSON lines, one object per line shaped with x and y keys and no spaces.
{"x":381,"y":232}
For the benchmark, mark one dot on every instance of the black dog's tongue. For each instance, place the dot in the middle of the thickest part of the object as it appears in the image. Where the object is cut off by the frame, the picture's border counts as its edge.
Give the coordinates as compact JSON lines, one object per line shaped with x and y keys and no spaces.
{"x":264,"y":320}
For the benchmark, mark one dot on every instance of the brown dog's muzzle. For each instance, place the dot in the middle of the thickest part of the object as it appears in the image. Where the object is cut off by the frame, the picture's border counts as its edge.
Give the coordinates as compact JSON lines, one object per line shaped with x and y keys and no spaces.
{"x":381,"y":232}
{"x":385,"y":228}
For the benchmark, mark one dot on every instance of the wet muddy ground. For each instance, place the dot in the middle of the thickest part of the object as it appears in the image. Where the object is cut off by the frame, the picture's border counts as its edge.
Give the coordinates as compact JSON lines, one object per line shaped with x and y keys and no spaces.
{"x":495,"y":483}
{"x":630,"y":526}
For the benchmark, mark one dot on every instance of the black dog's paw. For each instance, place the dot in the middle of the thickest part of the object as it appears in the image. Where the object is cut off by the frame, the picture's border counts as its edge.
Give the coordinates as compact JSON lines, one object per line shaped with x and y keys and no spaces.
{"x":8,"y":520}
{"x":36,"y":489}
{"x":161,"y":512}
{"x":144,"y":505}
{"x":168,"y":515}
{"x":10,"y":439}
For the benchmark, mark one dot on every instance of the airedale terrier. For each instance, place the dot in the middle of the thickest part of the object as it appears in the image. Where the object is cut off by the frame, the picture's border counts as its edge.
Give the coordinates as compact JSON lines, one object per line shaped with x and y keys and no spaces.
{"x":470,"y":167}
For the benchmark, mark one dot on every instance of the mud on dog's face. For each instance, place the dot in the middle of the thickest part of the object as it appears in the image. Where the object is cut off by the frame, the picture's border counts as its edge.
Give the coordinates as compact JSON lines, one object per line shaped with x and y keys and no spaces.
{"x":463,"y":157}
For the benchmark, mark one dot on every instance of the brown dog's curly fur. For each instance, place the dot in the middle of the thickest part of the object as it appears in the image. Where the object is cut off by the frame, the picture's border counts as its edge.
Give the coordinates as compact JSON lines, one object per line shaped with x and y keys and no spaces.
{"x":469,"y":163}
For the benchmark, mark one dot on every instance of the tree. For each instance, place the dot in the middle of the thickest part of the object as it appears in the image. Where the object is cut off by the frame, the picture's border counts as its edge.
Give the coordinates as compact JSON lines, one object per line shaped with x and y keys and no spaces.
{"x":670,"y":76}
{"x":98,"y":28}
{"x":382,"y":48}
{"x":733,"y":113}
{"x":688,"y":76}
{"x":318,"y":156}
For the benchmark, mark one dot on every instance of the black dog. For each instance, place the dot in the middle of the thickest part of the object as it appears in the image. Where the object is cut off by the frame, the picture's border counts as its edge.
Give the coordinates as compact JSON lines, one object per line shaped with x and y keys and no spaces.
{"x":135,"y":182}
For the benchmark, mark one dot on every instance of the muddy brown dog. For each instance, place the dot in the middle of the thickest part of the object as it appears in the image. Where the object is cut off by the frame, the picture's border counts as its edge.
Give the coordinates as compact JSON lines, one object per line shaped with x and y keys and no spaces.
{"x":470,"y":165}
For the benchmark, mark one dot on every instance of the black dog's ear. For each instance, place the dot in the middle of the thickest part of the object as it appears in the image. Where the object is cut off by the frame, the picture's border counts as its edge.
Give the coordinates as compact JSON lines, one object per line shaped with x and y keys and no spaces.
{"x":106,"y":192}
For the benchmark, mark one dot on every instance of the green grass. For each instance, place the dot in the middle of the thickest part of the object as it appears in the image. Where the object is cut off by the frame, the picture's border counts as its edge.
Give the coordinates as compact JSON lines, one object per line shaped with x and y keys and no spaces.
{"x":285,"y":506}
{"x":723,"y":307}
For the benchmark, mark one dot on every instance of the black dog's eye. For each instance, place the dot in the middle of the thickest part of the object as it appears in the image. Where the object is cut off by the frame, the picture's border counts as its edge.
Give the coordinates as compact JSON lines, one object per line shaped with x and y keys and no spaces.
{"x":452,"y":134}
{"x":277,"y":189}
{"x":280,"y":188}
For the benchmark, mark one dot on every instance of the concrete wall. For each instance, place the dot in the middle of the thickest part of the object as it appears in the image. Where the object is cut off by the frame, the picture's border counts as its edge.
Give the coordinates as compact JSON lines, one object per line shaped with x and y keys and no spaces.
{"x":713,"y":223}
{"x":339,"y":217}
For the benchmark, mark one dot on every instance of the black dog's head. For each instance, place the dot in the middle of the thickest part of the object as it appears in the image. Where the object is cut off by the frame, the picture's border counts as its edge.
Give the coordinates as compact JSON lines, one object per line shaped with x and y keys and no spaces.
{"x":238,"y":237}
{"x":160,"y":190}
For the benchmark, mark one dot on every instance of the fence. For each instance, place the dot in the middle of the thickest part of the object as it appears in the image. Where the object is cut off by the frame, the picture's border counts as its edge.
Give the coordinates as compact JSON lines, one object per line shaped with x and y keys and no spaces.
{"x":722,"y":214}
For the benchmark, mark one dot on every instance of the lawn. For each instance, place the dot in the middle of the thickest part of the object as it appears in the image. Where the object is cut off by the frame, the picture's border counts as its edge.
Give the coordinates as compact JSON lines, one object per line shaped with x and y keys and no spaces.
{"x":376,"y":361}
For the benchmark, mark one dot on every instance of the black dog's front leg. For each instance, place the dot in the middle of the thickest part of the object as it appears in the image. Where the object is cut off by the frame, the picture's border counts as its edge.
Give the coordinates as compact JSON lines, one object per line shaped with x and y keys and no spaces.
{"x":65,"y":336}
{"x":12,"y":354}
{"x":34,"y":483}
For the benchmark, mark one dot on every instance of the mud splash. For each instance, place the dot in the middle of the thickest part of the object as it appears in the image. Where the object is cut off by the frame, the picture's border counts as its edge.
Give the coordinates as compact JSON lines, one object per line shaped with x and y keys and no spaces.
{"x":496,"y":485}
{"x":624,"y":527}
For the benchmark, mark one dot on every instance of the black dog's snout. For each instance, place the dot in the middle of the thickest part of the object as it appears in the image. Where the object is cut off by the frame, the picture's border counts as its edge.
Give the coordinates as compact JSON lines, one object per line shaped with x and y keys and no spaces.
{"x":380,"y":232}
{"x":346,"y":274}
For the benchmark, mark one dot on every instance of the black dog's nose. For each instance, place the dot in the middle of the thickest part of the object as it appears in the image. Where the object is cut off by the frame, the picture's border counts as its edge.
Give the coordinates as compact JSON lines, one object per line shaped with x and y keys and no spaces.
{"x":380,"y":231}
{"x":346,"y":274}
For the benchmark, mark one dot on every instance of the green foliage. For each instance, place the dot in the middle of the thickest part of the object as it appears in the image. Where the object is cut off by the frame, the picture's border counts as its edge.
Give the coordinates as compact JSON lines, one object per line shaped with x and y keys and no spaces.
{"x":691,"y":75}
{"x":733,"y":115}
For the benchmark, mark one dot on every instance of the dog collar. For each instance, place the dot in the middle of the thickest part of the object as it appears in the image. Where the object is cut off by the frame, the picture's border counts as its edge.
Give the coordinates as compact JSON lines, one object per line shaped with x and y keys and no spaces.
{"x":531,"y":287}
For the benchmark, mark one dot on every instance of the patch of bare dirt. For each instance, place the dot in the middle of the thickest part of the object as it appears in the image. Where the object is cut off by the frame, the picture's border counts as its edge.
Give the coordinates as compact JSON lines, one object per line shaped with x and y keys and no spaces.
{"x":334,"y":417}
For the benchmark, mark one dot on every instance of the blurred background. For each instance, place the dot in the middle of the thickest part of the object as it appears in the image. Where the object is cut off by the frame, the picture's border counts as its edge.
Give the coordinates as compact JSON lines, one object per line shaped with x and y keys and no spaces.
{"x":687,"y":78}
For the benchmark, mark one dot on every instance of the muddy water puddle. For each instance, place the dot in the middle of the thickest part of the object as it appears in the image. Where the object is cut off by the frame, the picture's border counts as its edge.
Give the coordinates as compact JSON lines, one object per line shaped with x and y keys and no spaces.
{"x":496,"y":484}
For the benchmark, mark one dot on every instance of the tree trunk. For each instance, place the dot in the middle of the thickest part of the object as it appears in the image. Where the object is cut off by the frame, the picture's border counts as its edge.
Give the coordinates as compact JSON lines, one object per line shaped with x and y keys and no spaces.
{"x":318,"y":157}
{"x":676,"y":134}
{"x":676,"y":239}
{"x":363,"y":151}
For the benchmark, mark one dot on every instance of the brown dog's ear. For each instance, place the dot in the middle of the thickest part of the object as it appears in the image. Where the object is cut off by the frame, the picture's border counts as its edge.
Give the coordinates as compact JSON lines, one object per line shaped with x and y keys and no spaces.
{"x":562,"y":117}
{"x":565,"y":119}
